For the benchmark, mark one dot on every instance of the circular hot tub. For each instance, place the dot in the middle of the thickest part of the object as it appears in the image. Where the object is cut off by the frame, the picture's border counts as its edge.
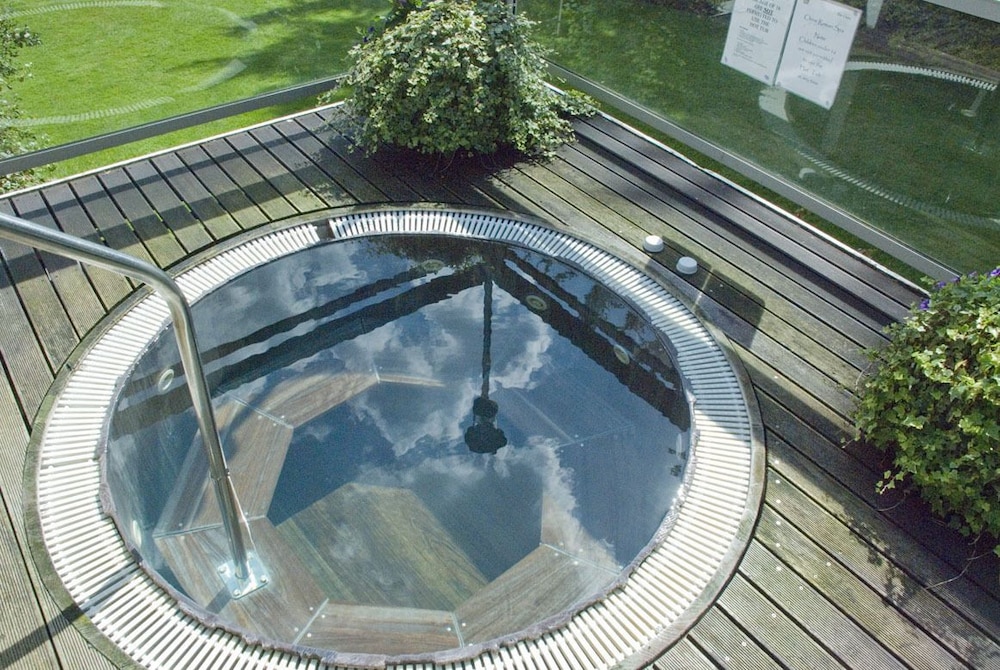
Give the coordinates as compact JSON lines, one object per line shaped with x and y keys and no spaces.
{"x":455,"y":437}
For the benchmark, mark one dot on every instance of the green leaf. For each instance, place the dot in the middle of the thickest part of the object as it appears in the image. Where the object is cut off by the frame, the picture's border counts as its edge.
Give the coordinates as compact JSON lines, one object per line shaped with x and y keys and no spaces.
{"x":932,"y":400}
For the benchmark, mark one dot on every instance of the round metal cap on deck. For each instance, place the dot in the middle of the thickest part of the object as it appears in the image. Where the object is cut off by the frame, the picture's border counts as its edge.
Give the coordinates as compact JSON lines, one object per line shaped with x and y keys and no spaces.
{"x":687,"y":265}
{"x":653,"y":243}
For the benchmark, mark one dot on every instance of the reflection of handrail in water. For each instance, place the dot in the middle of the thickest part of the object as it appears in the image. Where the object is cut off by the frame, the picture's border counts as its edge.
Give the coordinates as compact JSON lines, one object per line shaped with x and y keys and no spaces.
{"x":67,"y":246}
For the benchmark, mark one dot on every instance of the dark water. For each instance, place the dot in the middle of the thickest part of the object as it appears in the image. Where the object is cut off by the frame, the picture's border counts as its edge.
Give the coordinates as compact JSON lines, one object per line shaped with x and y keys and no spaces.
{"x":573,"y":383}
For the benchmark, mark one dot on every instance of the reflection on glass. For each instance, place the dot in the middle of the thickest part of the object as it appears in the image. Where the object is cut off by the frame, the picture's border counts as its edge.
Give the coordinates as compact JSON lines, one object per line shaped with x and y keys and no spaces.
{"x":392,"y":519}
{"x":192,"y":56}
{"x":483,"y":436}
{"x":910,"y":144}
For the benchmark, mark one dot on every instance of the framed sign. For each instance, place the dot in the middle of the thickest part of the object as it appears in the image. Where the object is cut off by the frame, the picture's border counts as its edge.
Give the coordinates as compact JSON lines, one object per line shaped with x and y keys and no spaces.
{"x":819,"y":41}
{"x":800,"y":45}
{"x":756,"y":36}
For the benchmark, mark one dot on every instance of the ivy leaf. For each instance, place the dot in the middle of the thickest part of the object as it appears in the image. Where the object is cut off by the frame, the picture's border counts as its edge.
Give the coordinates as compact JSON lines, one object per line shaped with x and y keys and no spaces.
{"x":932,"y":400}
{"x":443,"y":76}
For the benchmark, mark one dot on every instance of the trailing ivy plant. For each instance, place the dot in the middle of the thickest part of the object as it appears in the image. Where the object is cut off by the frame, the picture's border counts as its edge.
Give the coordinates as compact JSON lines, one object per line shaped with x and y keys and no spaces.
{"x":14,"y":140}
{"x":933,"y":402}
{"x":450,"y":76}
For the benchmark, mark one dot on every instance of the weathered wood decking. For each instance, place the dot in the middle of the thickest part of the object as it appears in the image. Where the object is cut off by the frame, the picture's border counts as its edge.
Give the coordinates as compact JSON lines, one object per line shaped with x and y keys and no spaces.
{"x":834,"y":575}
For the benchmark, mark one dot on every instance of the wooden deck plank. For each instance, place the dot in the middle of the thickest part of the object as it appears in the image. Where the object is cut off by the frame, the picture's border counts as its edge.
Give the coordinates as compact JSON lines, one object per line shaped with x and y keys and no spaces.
{"x":103,"y":211}
{"x":871,"y":550}
{"x":237,"y":203}
{"x":787,"y":272}
{"x":71,"y":218}
{"x":796,"y":418}
{"x":302,"y":166}
{"x":24,"y":638}
{"x":840,"y":584}
{"x":727,"y":644}
{"x":174,"y":213}
{"x":495,"y":191}
{"x":155,"y":236}
{"x":847,"y":484}
{"x":832,"y":471}
{"x":49,"y":322}
{"x":193,"y":194}
{"x":685,"y":655}
{"x":77,"y":294}
{"x":391,"y":187}
{"x":339,"y":171}
{"x":873,"y":280}
{"x":811,"y":610}
{"x":687,"y":233}
{"x":436,"y":179}
{"x":274,"y":206}
{"x":772,"y":628}
{"x":301,"y":197}
{"x":27,"y":371}
{"x":721,"y":198}
{"x":422,"y":174}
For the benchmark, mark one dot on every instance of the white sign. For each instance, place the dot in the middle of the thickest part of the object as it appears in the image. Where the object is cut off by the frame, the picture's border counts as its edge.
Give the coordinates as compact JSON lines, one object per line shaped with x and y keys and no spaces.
{"x":816,"y":51}
{"x":756,"y":36}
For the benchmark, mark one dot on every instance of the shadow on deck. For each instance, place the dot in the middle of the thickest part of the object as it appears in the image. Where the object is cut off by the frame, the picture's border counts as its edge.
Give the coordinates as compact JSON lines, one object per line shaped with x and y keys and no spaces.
{"x":834,"y":576}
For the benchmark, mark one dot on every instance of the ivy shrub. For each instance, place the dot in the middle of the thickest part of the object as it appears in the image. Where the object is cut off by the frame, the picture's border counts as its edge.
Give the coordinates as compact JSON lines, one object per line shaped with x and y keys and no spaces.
{"x":449,"y":76}
{"x":932,"y":401}
{"x":14,"y":140}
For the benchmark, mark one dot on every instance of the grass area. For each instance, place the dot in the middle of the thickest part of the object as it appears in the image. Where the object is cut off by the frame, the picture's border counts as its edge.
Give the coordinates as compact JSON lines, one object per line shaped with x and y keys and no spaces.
{"x":922,"y":170}
{"x":104,"y":65}
{"x":896,"y":150}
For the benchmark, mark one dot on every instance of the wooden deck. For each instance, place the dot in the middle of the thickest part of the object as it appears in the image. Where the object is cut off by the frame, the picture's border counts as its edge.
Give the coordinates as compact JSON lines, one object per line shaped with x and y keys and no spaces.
{"x":834,"y":575}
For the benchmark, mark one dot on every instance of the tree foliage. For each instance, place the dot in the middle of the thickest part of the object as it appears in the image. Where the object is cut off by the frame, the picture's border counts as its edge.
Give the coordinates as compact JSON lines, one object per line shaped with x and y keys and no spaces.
{"x":933,"y":402}
{"x":14,"y":140}
{"x":447,"y":76}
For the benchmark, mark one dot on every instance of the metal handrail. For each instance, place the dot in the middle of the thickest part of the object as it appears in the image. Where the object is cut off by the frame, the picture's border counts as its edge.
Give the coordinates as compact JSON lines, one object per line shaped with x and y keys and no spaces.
{"x":246,"y":570}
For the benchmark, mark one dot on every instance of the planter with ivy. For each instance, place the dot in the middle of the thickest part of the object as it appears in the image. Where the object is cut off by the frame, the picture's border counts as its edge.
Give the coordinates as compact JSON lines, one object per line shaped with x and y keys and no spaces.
{"x":932,"y":401}
{"x":454,"y":77}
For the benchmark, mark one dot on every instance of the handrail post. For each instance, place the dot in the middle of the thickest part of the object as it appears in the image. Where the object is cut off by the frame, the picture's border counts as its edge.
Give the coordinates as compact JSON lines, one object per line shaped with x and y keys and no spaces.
{"x":246,"y":574}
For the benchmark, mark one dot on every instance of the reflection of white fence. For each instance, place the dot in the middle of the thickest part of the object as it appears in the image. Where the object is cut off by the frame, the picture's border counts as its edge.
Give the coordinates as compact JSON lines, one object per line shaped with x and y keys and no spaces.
{"x":922,"y":71}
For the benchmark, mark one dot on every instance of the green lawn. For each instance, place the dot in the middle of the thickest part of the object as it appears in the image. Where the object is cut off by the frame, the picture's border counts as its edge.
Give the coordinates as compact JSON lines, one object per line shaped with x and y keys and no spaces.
{"x":104,"y":65}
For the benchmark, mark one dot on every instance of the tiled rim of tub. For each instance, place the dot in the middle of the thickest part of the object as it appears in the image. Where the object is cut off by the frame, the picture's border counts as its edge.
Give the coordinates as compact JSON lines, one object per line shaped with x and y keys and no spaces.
{"x":650,"y":608}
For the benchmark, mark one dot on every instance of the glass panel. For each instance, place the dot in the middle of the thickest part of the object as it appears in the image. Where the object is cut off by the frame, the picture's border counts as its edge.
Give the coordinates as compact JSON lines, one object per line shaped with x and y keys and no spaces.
{"x":910,"y":143}
{"x":107,"y":65}
{"x":436,"y":442}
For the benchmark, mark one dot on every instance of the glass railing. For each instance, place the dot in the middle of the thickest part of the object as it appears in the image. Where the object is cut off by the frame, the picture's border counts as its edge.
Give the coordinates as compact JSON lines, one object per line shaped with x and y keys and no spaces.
{"x":102,"y":66}
{"x":904,"y":153}
{"x":909,"y":143}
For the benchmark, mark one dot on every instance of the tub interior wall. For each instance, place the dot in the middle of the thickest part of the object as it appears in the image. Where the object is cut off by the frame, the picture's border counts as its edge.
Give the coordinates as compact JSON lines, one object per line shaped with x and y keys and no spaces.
{"x":344,"y":379}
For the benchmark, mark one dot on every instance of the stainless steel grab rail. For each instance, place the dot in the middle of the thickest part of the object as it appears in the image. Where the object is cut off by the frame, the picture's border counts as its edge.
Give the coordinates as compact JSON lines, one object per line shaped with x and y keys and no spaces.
{"x":245,"y":574}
